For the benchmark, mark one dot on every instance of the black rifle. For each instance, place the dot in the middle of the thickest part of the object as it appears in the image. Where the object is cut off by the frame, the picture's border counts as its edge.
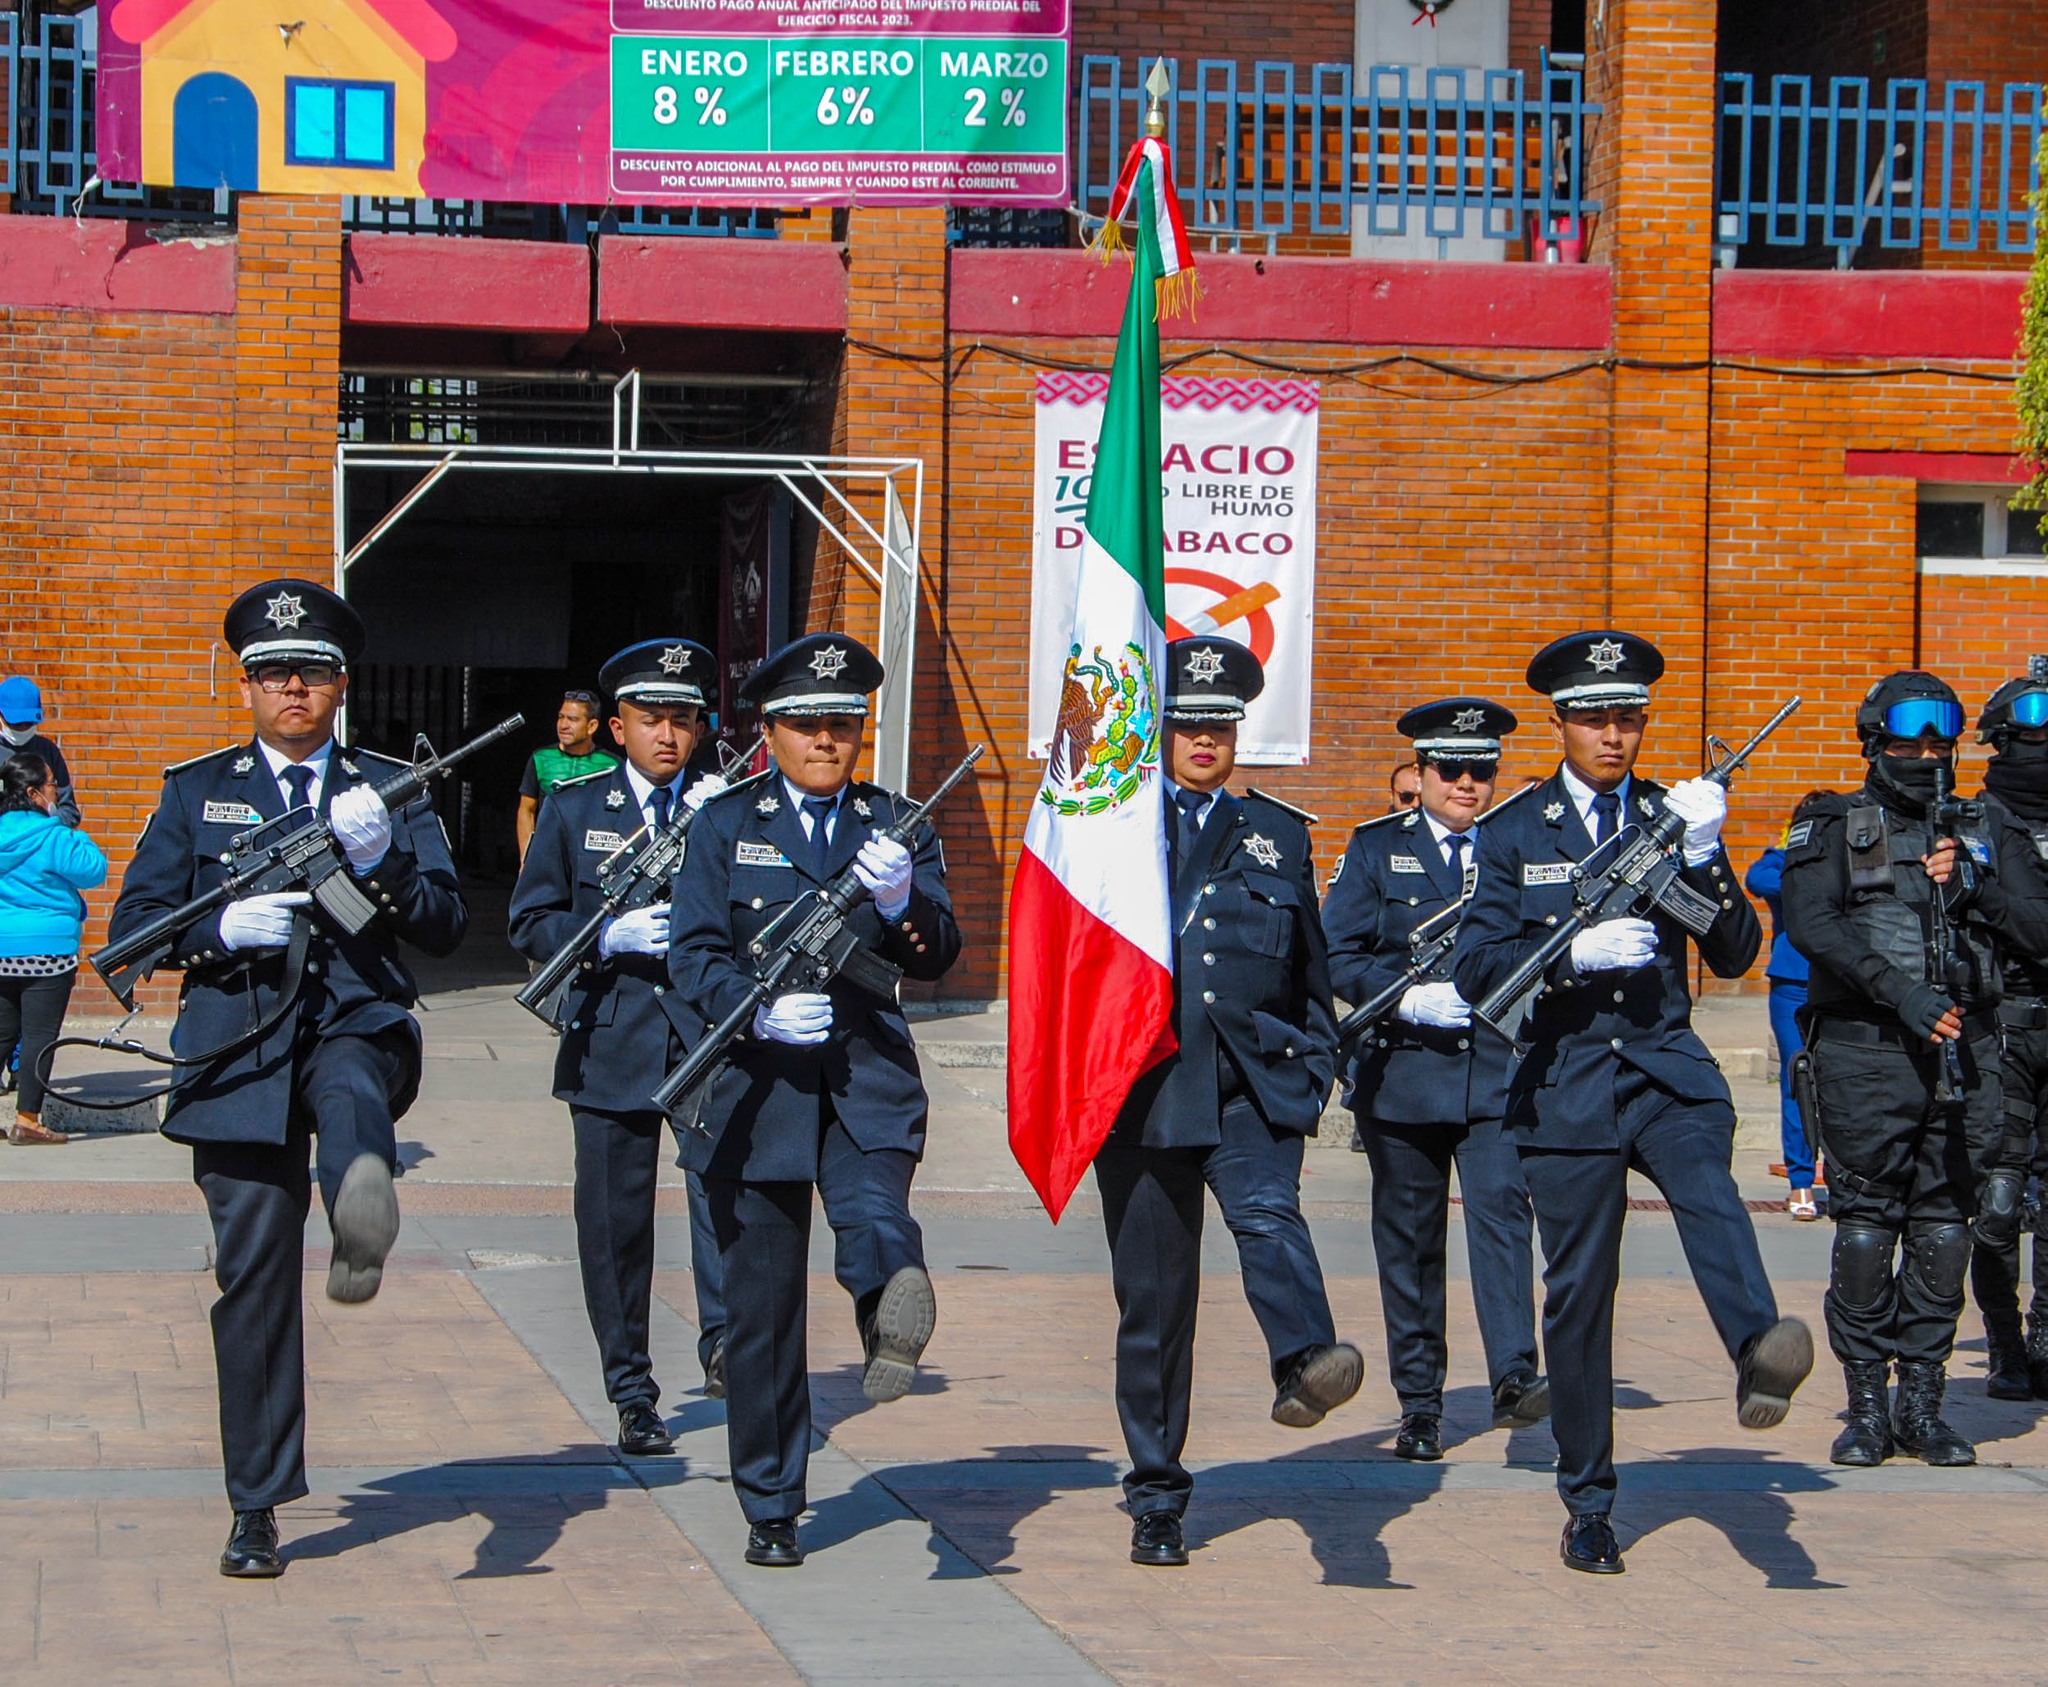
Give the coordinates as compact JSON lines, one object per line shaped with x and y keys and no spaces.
{"x":627,"y":882}
{"x":1642,"y":873}
{"x":295,"y":851}
{"x":810,"y":943}
{"x":1948,"y":818}
{"x":1429,"y":946}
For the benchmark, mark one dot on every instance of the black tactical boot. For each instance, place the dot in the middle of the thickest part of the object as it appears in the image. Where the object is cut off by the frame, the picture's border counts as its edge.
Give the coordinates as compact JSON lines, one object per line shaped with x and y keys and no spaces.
{"x":1917,"y":1424}
{"x":2037,"y":1355}
{"x":2005,"y":1358}
{"x":1868,"y":1438}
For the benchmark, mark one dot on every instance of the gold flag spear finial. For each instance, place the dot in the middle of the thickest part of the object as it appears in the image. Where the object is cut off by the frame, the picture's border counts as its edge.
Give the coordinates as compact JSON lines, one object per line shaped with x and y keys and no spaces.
{"x":1156,"y":85}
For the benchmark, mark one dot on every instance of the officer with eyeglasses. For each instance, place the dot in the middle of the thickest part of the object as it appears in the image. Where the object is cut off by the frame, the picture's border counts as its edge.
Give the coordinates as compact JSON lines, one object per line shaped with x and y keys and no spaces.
{"x":1428,"y":1092}
{"x":1904,"y":1041}
{"x":303,"y":1038}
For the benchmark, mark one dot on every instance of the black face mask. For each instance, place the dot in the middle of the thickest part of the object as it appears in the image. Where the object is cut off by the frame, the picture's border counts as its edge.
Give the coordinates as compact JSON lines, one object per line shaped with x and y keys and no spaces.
{"x":2018,"y":777}
{"x":1906,"y":783}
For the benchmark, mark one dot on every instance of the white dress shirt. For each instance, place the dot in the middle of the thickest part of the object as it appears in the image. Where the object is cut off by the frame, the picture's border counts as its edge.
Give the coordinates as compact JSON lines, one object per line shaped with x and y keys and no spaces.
{"x":1200,"y":817}
{"x":643,"y":790}
{"x":803,"y":815}
{"x":1582,"y":796}
{"x":317,"y":762}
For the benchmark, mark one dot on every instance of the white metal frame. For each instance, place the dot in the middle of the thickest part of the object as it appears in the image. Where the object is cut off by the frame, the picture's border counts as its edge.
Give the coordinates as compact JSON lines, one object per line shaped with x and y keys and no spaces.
{"x":884,"y":552}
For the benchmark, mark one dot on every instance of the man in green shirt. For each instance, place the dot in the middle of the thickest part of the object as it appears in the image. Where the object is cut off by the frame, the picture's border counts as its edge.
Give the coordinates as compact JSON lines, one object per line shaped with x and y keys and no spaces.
{"x":575,"y":756}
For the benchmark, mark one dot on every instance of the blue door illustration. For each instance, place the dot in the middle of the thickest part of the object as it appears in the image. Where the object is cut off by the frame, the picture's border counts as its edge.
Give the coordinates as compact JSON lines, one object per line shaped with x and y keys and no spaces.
{"x":213,"y":130}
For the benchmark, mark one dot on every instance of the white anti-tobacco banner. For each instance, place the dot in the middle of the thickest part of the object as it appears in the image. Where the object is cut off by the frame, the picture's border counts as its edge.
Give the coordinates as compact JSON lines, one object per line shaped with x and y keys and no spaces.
{"x":1240,"y":462}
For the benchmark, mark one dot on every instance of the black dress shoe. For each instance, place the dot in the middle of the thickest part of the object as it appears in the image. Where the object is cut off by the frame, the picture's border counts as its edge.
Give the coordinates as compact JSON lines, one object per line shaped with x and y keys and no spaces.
{"x":772,"y":1544}
{"x":1771,"y":1368}
{"x":252,"y":1546}
{"x":714,"y":1372}
{"x":1421,"y":1437}
{"x":642,"y":1434}
{"x":1589,"y":1545}
{"x":365,"y":1224}
{"x":1316,"y":1383}
{"x":1521,"y":1401}
{"x":1156,"y":1540}
{"x":895,"y":1336}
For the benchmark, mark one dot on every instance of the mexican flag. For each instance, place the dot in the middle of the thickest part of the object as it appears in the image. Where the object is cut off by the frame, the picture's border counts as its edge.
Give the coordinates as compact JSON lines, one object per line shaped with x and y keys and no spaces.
{"x":1091,"y":952}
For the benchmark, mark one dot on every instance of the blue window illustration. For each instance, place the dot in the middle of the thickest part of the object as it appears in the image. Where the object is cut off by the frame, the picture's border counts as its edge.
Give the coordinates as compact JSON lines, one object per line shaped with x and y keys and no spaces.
{"x":345,"y":124}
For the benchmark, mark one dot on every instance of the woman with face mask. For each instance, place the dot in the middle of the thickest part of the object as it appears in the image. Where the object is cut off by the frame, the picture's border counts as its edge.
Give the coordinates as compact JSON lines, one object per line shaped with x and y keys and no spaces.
{"x":21,"y":732}
{"x":44,"y":864}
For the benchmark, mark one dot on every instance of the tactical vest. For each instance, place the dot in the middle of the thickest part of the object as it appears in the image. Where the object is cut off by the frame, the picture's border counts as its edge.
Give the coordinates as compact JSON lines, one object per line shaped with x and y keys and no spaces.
{"x":1891,"y":900}
{"x":2025,"y":975}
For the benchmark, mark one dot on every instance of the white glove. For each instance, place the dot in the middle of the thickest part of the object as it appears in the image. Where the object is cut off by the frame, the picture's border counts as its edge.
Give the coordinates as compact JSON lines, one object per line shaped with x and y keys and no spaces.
{"x":1614,"y":946}
{"x":802,"y":1016}
{"x":702,"y":792}
{"x":261,"y":922}
{"x":883,"y":865}
{"x":363,"y":824}
{"x":642,"y":932}
{"x":1436,"y":1004}
{"x":1703,"y":806}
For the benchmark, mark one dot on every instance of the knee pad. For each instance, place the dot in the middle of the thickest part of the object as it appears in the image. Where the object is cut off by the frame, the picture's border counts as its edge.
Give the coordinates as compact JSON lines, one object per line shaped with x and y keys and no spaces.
{"x":1862,"y":1271}
{"x":1937,"y":1255}
{"x":1999,"y":1208}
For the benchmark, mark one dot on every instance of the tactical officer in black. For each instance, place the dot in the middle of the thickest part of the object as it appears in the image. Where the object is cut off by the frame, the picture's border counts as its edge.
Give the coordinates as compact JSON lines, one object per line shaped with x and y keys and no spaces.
{"x":2015,"y":724}
{"x":626,"y":1025}
{"x":1904,"y":1045}
{"x":1229,"y":1109}
{"x":303,"y":1038}
{"x":1426,"y":1095}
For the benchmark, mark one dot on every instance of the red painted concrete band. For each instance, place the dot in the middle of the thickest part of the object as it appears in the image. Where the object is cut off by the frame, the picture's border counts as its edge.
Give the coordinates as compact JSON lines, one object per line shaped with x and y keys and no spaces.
{"x":1339,"y":301}
{"x":1981,"y":468}
{"x":448,"y":281}
{"x":674,"y":281}
{"x":1886,"y":313}
{"x":59,"y":263}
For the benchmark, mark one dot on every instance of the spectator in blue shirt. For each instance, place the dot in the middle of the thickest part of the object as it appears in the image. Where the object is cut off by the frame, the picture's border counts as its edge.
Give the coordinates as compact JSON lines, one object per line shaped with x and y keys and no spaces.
{"x":1787,"y":973}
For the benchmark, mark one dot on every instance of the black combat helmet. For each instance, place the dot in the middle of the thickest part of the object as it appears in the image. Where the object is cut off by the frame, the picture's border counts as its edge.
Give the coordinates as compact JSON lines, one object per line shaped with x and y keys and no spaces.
{"x":2018,"y":702}
{"x":1905,"y":705}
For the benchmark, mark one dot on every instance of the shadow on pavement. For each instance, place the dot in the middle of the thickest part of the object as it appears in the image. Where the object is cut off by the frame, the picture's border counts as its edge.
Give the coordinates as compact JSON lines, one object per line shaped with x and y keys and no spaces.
{"x":1757,"y":1521}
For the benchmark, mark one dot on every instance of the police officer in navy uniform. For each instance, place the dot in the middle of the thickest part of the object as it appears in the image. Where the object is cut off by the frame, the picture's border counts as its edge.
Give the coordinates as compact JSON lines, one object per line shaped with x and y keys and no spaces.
{"x":1428,"y":1091}
{"x":334,"y":1058}
{"x":626,"y":1025}
{"x":1229,"y":1109}
{"x":1905,"y":1055}
{"x":1615,"y":1078}
{"x":823,"y":1091}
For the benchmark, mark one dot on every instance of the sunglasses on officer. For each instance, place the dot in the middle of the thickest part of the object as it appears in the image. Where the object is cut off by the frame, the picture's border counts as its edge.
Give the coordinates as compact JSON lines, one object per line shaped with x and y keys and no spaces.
{"x":276,"y":677}
{"x":1450,"y":769}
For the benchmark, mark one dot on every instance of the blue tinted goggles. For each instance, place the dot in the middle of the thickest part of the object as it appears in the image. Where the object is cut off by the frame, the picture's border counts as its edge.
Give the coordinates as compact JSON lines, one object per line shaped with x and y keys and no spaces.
{"x":1924,"y":714}
{"x":2030,"y":708}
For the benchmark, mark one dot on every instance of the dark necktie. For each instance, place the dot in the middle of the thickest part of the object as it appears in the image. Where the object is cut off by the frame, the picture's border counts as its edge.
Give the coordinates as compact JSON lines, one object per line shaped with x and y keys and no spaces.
{"x":662,"y":800}
{"x":1456,"y":843}
{"x":300,"y":779}
{"x":1606,"y":815}
{"x":1187,"y":828}
{"x":820,"y":811}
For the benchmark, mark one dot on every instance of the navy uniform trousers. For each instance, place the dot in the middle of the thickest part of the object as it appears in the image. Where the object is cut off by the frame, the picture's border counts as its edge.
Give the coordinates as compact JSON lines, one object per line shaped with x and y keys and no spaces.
{"x":258,"y":1195}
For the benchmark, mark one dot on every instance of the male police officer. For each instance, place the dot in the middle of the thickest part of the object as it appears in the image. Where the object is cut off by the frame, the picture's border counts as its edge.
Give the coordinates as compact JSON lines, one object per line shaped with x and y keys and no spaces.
{"x":1229,"y":1109}
{"x":1424,"y":1095}
{"x":626,"y":1025}
{"x":1615,"y":1078}
{"x":2015,"y":724}
{"x":825,"y":1090}
{"x":299,"y":1032}
{"x":1904,"y":1042}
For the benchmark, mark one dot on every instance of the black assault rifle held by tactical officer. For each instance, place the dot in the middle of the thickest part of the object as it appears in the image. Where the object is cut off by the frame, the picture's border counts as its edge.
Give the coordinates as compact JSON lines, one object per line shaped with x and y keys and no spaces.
{"x":295,"y":851}
{"x":1429,"y":945}
{"x":638,"y":883}
{"x":1641,"y":874}
{"x":1945,"y":969}
{"x":810,"y":943}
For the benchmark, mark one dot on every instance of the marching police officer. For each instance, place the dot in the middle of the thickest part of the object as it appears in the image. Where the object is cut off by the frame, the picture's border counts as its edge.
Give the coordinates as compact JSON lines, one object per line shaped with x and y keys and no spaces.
{"x":1428,"y":1090}
{"x":301,"y":1036}
{"x":2015,"y":724}
{"x":626,"y":1026}
{"x":1229,"y":1109}
{"x":1615,"y":1078}
{"x":1903,"y":1033}
{"x":825,"y":1090}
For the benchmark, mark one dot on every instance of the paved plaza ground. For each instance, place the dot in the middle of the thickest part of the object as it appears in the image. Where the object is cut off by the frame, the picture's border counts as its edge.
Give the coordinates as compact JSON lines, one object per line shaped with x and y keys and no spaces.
{"x":470,"y":1524}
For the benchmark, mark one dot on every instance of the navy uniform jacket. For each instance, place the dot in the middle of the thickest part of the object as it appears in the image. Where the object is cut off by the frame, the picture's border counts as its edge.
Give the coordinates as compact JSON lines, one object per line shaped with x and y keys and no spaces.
{"x":1562,"y":1094}
{"x":355,"y":985}
{"x":617,"y":1045}
{"x":1394,"y":877}
{"x":748,"y":860}
{"x":1251,"y":985}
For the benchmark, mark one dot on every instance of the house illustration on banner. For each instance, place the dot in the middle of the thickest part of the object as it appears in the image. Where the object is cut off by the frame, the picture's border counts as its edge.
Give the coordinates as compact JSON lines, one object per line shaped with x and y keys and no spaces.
{"x":293,"y":96}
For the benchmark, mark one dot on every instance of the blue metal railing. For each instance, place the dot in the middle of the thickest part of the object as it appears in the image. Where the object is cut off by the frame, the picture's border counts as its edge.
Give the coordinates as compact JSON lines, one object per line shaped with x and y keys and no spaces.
{"x":1910,"y":166}
{"x":1270,"y":150}
{"x":49,"y":157}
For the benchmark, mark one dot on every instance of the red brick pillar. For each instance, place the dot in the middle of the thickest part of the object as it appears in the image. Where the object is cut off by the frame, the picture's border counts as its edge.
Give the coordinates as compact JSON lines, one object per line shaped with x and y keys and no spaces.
{"x":1651,"y":66}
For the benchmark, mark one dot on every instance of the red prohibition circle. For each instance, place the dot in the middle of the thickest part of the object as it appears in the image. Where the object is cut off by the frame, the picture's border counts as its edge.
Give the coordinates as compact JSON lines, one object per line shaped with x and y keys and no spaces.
{"x":1258,"y":625}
